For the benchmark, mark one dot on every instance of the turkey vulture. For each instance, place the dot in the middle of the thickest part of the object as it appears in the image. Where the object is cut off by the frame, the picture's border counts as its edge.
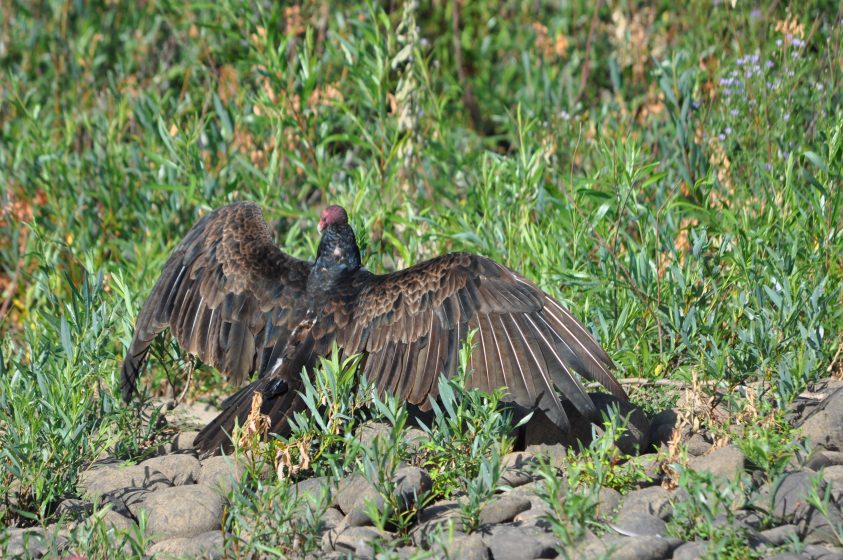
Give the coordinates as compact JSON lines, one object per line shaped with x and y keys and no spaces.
{"x":231,"y":297}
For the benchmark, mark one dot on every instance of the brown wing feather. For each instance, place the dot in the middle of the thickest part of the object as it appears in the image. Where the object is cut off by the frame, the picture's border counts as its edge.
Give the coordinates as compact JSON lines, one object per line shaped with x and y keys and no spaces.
{"x":227,"y":293}
{"x":413,"y":322}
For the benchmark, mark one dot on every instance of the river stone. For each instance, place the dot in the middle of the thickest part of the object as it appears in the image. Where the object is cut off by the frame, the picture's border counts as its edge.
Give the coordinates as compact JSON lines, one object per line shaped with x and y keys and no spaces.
{"x":26,"y":543}
{"x":778,"y":536}
{"x":220,"y":473}
{"x":814,"y":552}
{"x":182,"y":511}
{"x":119,"y":522}
{"x":790,"y":496}
{"x":654,"y":500}
{"x":608,"y":500}
{"x":435,"y":518}
{"x":556,"y":455}
{"x":178,"y":468}
{"x":467,"y":547}
{"x":516,"y":469}
{"x":73,"y":509}
{"x":192,"y":416}
{"x":824,"y":425}
{"x":315,"y":491}
{"x":208,"y":545}
{"x":504,"y":508}
{"x":691,"y":550}
{"x":821,"y":458}
{"x":698,"y":445}
{"x":368,"y":432}
{"x":182,"y":443}
{"x":630,"y":548}
{"x":834,"y":476}
{"x":639,"y":524}
{"x":411,"y":484}
{"x":506,"y":542}
{"x":330,"y":518}
{"x":726,"y":462}
{"x":357,"y":540}
{"x":352,"y":488}
{"x":95,"y":483}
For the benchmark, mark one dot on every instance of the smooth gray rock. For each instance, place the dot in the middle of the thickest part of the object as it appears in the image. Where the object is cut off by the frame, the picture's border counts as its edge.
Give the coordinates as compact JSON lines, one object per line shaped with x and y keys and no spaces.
{"x":556,"y":454}
{"x":726,"y":462}
{"x":414,"y":438}
{"x":698,"y":445}
{"x":97,"y":482}
{"x":790,"y":495}
{"x":654,"y":500}
{"x":118,"y":521}
{"x":822,"y":553}
{"x":504,"y":508}
{"x":777,"y":536}
{"x":331,"y":518}
{"x":357,"y":540}
{"x":207,"y":545}
{"x":690,"y":550}
{"x":630,"y":548}
{"x":516,"y":469}
{"x":26,"y":543}
{"x":220,"y":473}
{"x":178,"y":468}
{"x":73,"y":509}
{"x":506,"y":542}
{"x":608,"y":499}
{"x":315,"y":492}
{"x":639,"y":524}
{"x":352,"y":488}
{"x":181,"y":511}
{"x":468,"y":547}
{"x":182,"y":443}
{"x":368,"y":432}
{"x":823,"y":427}
{"x":444,"y":515}
{"x":411,"y":484}
{"x":633,"y":548}
{"x":820,"y":458}
{"x":192,"y":416}
{"x":834,"y":476}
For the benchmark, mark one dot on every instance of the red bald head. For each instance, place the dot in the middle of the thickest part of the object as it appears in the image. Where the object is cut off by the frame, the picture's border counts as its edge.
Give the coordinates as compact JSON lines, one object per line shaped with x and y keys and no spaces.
{"x":332,"y":215}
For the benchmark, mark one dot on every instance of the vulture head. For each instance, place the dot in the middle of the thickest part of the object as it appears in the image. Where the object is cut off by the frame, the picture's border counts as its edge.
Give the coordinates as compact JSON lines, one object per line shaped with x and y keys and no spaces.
{"x":332,"y":215}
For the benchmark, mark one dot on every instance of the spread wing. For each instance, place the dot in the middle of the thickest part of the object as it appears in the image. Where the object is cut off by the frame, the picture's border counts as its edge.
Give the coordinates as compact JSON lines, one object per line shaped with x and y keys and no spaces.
{"x":412,"y":324}
{"x":228,"y":294}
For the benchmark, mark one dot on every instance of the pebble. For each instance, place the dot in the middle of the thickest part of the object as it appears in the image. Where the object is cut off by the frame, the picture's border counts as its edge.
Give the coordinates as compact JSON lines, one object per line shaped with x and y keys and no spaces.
{"x":221,"y":473}
{"x":208,"y":545}
{"x":504,"y":508}
{"x":726,"y":462}
{"x":181,"y":511}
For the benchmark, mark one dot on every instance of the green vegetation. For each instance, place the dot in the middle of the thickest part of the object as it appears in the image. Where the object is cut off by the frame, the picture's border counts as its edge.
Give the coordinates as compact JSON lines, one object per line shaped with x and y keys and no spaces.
{"x":672,"y":174}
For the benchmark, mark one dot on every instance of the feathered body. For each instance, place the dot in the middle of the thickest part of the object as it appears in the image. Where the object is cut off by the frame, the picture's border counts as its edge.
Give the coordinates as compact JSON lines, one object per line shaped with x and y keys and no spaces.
{"x":235,"y":300}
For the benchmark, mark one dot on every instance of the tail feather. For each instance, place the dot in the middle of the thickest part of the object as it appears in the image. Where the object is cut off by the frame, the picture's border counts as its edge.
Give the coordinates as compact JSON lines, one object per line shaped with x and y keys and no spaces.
{"x":281,"y":399}
{"x":216,"y":436}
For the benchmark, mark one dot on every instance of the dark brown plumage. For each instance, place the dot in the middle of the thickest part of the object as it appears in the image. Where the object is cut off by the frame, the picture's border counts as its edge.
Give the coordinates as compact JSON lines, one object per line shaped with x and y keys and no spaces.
{"x":235,"y":300}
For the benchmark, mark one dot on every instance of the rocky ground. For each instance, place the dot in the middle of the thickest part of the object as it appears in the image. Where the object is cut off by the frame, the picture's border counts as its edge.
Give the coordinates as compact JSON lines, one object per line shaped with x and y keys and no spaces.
{"x":184,"y":499}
